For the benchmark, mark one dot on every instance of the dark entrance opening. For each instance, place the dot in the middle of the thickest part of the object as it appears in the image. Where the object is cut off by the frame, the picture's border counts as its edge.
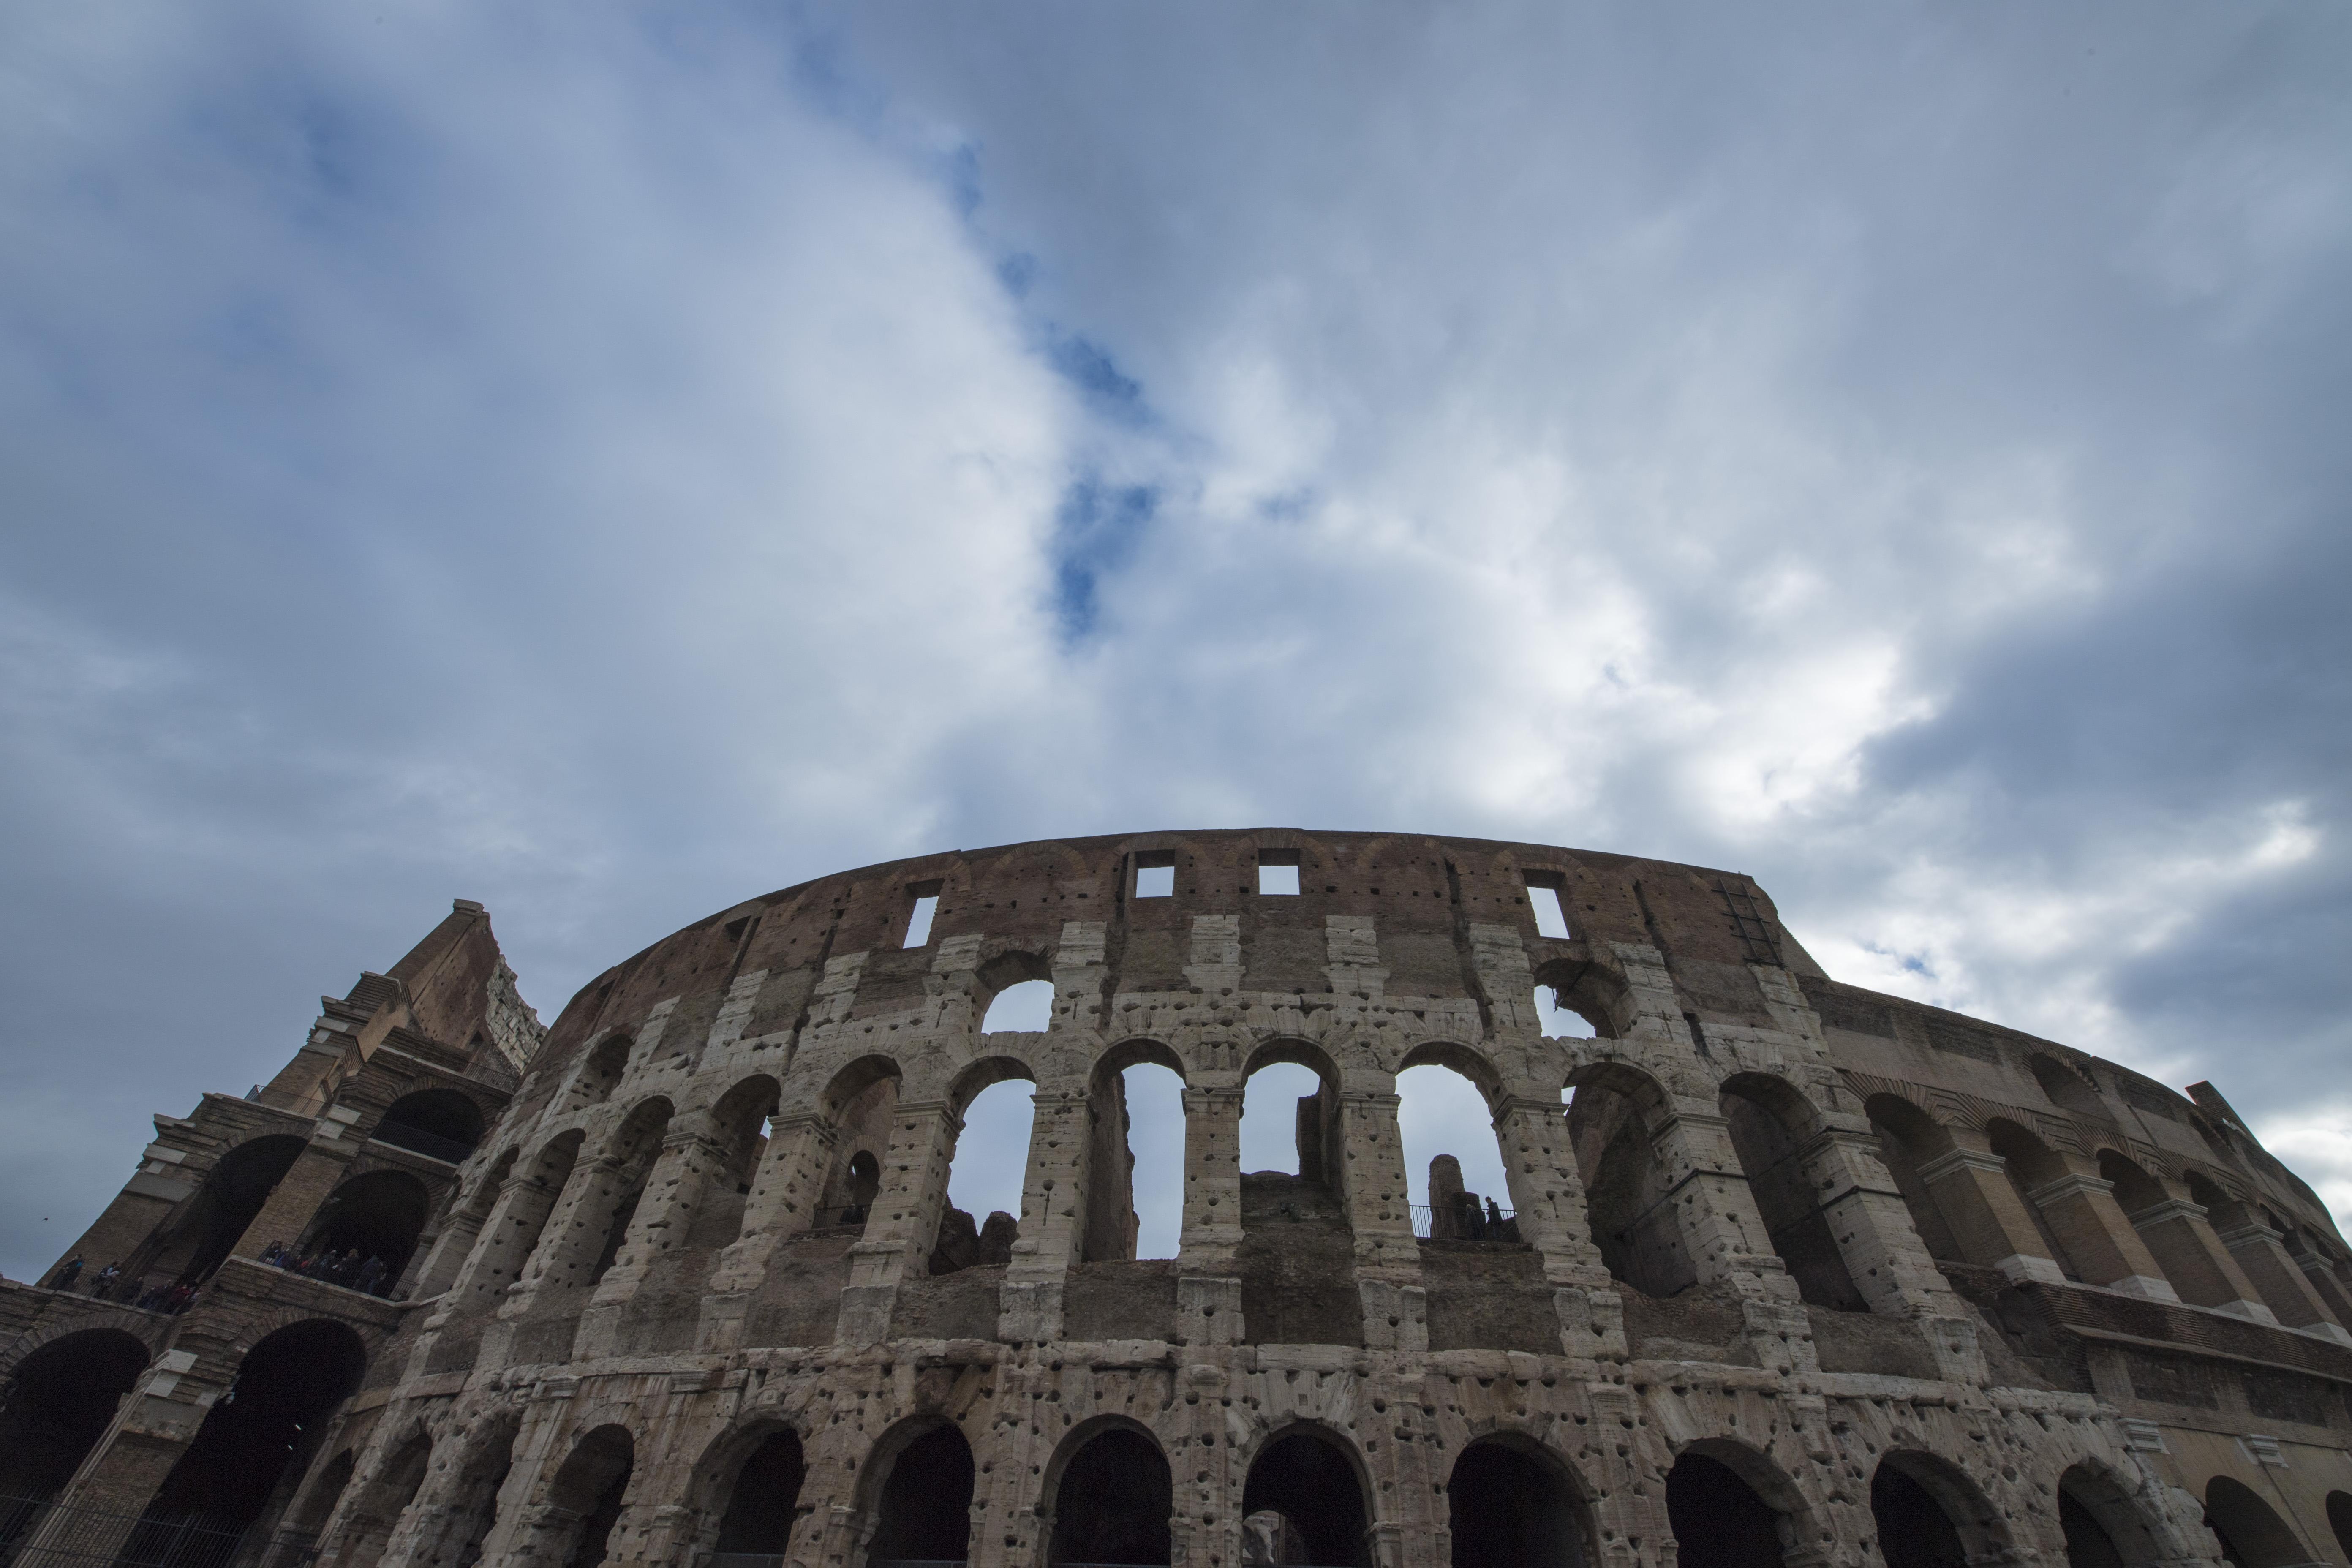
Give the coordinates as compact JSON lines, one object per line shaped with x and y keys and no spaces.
{"x":2251,"y":1535}
{"x":1509,"y":1507}
{"x":1311,"y":1483}
{"x":926,"y":1510}
{"x":590,"y":1484}
{"x":378,"y":1216}
{"x":272,"y":1416}
{"x":2088,"y":1545}
{"x":1914,"y":1531}
{"x":1718,"y":1520}
{"x":201,"y":1234}
{"x":57,"y":1406}
{"x":758,"y":1524}
{"x":1113,"y":1501}
{"x":2339,"y":1519}
{"x":439,"y":1122}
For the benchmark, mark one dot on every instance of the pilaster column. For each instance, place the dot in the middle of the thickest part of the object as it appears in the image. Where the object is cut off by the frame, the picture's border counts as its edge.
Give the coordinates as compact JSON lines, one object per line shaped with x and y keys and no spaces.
{"x":1970,"y":1186}
{"x":526,"y":1531}
{"x":1872,"y":1225}
{"x":1052,"y":1215}
{"x":785,"y":1191}
{"x":2262,"y":1253}
{"x":566,"y":1242}
{"x":904,"y":1220}
{"x":1706,"y":1189}
{"x":1388,"y":1259}
{"x":1207,"y":1271}
{"x":1555,"y":1218}
{"x":672,"y":1195}
{"x":2182,"y":1241}
{"x":2091,"y":1226}
{"x":448,"y":1254}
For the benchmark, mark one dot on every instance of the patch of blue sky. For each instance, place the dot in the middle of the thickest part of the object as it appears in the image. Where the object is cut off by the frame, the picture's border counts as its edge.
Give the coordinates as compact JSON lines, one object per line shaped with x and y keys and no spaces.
{"x":1096,"y":529}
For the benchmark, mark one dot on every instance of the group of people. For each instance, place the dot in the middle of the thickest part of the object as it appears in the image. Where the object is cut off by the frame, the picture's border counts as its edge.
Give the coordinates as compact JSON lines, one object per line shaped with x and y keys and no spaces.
{"x":110,"y":1284}
{"x":329,"y":1267}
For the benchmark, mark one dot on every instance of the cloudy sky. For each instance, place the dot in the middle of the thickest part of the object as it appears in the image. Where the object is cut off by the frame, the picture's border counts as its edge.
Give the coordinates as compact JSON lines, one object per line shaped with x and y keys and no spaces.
{"x":610,"y":461}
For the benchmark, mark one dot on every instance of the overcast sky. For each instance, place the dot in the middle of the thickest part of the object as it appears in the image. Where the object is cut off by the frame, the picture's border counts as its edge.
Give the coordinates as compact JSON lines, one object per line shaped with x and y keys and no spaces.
{"x":610,"y":462}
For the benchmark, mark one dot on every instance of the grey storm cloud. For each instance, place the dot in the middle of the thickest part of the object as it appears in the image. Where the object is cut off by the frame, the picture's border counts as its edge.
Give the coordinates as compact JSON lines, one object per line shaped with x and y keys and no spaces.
{"x":609,"y":463}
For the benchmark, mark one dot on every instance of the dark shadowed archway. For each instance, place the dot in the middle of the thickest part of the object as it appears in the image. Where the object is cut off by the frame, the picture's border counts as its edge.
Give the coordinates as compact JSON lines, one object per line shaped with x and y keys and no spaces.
{"x":2103,"y":1526}
{"x":1308,"y":1478}
{"x":925,"y":1510}
{"x":1113,"y":1501}
{"x":57,"y":1403}
{"x":207,"y":1227}
{"x":2251,"y":1534}
{"x":1513,"y":1504}
{"x":379,"y":1214}
{"x":591,"y":1485}
{"x":762,"y":1503}
{"x":271,"y":1415}
{"x":439,"y":1123}
{"x":1718,"y":1519}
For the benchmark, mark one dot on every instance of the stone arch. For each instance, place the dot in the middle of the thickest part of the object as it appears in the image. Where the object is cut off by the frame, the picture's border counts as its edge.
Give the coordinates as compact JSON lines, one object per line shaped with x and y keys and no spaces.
{"x":59,"y":1400}
{"x":2339,"y":1519}
{"x":978,"y":1235}
{"x":741,"y":1123}
{"x":1613,"y":1122}
{"x":377,"y":1215}
{"x":206,"y":1227}
{"x":376,"y":1509}
{"x":440,"y":1123}
{"x":748,"y":1487}
{"x":1450,"y":1076}
{"x":2250,"y":1533}
{"x":1909,"y":1138}
{"x":1595,"y":992}
{"x":859,"y":1107}
{"x":1112,"y":1224}
{"x":1314,"y":1477}
{"x":286,"y":1387}
{"x":599,"y":1073}
{"x":588,"y":1489}
{"x":1317,"y":1119}
{"x":609,"y":1208}
{"x":2067,"y":1085}
{"x":916,"y":1490}
{"x":1930,"y":1514}
{"x":519,"y":1217}
{"x":316,"y":1504}
{"x":1771,"y":1121}
{"x":452,"y":1535}
{"x":1729,"y":1505}
{"x":2028,"y":1163}
{"x":1512,"y":1499}
{"x":1457,"y":1057}
{"x":139,"y":1327}
{"x":1108,"y":1494}
{"x":2103,"y":1526}
{"x":1000,"y":974}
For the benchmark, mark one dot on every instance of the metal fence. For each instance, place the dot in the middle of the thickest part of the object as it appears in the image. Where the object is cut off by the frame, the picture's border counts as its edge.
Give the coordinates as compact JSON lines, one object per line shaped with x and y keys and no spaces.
{"x":35,"y":1533}
{"x":417,"y":1140}
{"x":1486,"y":1229}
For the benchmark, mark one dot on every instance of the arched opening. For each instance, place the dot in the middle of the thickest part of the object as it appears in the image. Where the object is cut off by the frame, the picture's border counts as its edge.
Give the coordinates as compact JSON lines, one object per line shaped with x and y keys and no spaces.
{"x":1908,"y":1138}
{"x":591,"y":1487}
{"x":2251,"y":1534}
{"x":199,"y":1236}
{"x":439,"y":1123}
{"x":309,"y":1515}
{"x":2339,"y":1519}
{"x":57,"y":1403}
{"x":271,"y":1416}
{"x":611,"y":1208}
{"x":1767,"y":1116}
{"x":1290,"y":1117}
{"x":1021,"y":1008}
{"x":765,"y":1498}
{"x":1112,"y":1502}
{"x":2066,"y":1086}
{"x":1452,"y":1163}
{"x":995,"y":1101}
{"x":1136,"y":1121}
{"x":861,"y":1104}
{"x":2028,"y":1163}
{"x":1576,"y":1001}
{"x":1308,"y":1483}
{"x":464,"y":1228}
{"x":1610,"y":1113}
{"x":1929,"y":1515}
{"x":363,"y":1232}
{"x":368,"y":1524}
{"x":744,"y":1123}
{"x":1298,"y":1247}
{"x":2104,"y":1529}
{"x":508,"y":1242}
{"x":1511,"y":1503}
{"x":1718,"y":1519}
{"x":924,"y":1513}
{"x":600,"y":1074}
{"x":1559,"y":1021}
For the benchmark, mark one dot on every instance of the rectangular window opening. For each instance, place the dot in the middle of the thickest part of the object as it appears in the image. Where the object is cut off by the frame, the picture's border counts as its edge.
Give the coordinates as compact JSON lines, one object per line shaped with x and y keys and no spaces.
{"x":1155,"y":874}
{"x":1278,"y":871}
{"x":919,"y":924}
{"x":1543,"y":897}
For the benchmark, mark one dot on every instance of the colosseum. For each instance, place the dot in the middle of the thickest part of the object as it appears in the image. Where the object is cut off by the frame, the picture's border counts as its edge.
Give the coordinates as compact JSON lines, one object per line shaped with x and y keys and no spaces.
{"x":1788,"y":1274}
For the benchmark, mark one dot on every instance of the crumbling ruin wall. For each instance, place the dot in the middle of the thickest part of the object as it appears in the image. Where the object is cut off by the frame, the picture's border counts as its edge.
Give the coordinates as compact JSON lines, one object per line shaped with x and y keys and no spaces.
{"x":1804,"y":1274}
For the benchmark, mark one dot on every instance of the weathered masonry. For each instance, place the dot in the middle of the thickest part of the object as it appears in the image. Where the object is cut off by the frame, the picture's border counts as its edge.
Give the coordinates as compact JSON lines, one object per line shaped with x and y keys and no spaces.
{"x":1793,"y":1274}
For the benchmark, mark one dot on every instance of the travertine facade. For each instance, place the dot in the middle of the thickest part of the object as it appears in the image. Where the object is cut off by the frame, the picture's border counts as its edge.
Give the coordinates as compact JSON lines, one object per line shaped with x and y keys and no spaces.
{"x":1802,"y":1275}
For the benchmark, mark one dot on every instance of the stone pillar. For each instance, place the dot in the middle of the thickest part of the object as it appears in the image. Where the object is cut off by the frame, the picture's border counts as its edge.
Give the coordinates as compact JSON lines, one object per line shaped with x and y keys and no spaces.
{"x":904,"y":1220}
{"x":1970,"y":1186}
{"x":1539,"y":1167}
{"x":573,"y":1236}
{"x":1207,"y":1271}
{"x":2182,"y":1241}
{"x":448,"y":1254}
{"x":1872,"y":1225}
{"x":1388,"y":1259}
{"x":690,"y":1155}
{"x":2082,"y":1209}
{"x":2262,"y":1254}
{"x":526,"y":1530}
{"x":1052,"y":1217}
{"x":1706,"y":1191}
{"x":785,"y":1191}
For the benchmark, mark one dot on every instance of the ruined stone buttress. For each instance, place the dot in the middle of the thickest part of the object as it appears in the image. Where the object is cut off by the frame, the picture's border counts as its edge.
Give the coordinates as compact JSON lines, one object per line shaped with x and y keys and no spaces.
{"x":1784,"y":1274}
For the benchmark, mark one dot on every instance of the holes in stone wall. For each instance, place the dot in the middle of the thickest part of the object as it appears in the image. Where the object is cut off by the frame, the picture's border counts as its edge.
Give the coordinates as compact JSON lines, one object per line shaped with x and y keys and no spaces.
{"x":1766,"y":1115}
{"x":1271,"y":1118}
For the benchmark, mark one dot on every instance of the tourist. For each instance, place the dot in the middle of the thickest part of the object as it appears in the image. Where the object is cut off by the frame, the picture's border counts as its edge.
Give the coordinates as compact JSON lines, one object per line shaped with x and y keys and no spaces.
{"x":67,"y":1272}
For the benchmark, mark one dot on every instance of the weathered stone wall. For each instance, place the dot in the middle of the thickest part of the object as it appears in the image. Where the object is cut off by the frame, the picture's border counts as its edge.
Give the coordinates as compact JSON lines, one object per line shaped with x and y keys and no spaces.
{"x":1837,"y":1243}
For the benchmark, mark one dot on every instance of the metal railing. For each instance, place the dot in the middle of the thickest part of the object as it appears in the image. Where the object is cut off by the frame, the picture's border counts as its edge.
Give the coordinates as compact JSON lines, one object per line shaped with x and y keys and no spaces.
{"x":1484,"y":1228}
{"x":36,"y":1533}
{"x":417,"y":1141}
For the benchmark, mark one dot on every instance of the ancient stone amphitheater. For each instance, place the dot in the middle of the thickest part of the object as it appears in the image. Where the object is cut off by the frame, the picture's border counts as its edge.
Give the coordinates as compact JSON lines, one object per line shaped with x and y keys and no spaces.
{"x":1788,"y":1272}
